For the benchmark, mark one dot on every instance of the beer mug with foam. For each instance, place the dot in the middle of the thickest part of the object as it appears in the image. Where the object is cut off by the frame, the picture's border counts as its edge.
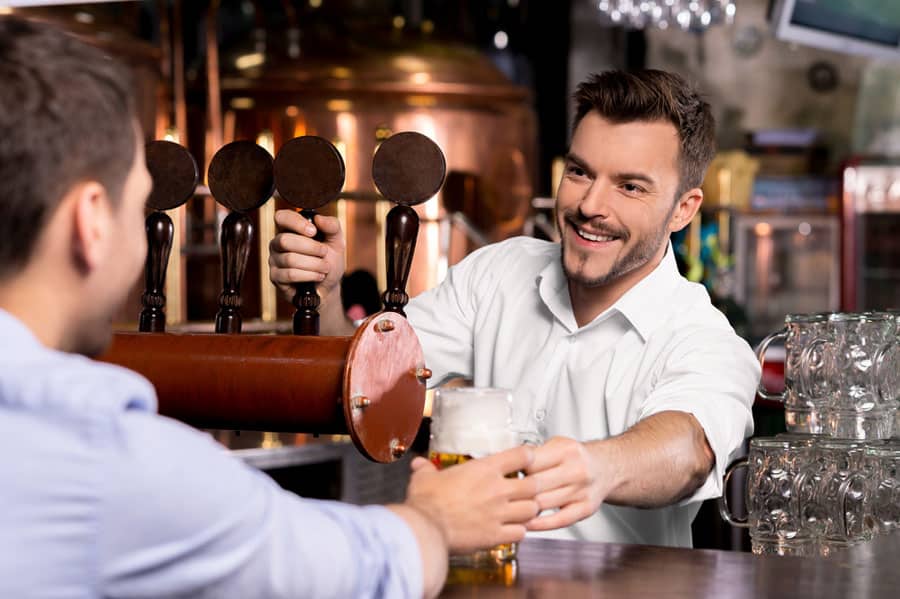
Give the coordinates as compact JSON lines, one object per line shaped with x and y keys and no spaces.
{"x":467,"y":423}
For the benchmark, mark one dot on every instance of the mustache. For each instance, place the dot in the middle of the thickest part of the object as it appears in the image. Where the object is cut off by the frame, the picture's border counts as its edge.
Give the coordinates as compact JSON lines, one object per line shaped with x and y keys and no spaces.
{"x":576,"y":219}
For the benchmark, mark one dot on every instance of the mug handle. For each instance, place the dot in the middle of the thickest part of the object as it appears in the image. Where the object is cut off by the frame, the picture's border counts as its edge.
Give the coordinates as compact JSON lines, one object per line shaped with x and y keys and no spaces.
{"x":842,"y":498}
{"x":724,"y":508}
{"x":806,"y":384}
{"x":886,"y":361}
{"x":761,"y":356}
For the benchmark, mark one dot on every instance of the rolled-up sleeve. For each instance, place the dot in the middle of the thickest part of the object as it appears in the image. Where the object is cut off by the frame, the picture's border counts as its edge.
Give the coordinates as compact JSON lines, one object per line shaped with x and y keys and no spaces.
{"x":711,"y":374}
{"x":181,"y":518}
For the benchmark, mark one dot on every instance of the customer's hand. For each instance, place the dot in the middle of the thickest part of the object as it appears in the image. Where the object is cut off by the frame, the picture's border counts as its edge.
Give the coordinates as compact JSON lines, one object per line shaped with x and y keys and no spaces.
{"x":474,"y":504}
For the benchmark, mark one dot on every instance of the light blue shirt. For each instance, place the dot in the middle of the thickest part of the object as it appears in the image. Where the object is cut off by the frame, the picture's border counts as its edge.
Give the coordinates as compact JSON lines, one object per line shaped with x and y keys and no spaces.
{"x":102,"y":497}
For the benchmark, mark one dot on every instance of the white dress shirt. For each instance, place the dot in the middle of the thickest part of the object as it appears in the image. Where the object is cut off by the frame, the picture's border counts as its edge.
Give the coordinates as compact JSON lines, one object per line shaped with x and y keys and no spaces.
{"x":503,"y":318}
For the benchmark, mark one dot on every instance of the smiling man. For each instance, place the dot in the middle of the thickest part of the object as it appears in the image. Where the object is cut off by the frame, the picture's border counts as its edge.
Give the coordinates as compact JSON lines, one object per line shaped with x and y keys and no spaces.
{"x":638,"y":384}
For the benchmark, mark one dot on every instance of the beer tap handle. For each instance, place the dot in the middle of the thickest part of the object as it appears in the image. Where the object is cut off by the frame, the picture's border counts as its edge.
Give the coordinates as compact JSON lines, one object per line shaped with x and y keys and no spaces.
{"x":408,"y":169}
{"x":309,"y":173}
{"x":175,"y":175}
{"x":306,"y":299}
{"x":160,"y":232}
{"x":400,"y":245}
{"x":237,"y":233}
{"x":240,"y":178}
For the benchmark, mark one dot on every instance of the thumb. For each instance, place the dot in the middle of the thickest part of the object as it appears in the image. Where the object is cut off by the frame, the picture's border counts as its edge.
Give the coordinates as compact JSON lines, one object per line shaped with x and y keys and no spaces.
{"x":512,"y":460}
{"x":329,"y":226}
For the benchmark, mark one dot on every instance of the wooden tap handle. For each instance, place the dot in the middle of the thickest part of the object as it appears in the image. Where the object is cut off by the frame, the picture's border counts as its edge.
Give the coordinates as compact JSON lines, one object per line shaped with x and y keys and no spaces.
{"x":160,"y":232}
{"x":400,"y":244}
{"x":237,"y":233}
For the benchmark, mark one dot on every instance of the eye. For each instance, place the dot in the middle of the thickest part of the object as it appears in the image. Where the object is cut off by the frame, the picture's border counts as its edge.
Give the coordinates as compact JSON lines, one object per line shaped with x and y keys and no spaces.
{"x":575,"y":170}
{"x":632,"y":188}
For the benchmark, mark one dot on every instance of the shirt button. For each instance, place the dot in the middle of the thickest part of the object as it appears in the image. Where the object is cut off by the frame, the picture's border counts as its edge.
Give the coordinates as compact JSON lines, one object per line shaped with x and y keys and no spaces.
{"x":539,"y":415}
{"x":571,"y":339}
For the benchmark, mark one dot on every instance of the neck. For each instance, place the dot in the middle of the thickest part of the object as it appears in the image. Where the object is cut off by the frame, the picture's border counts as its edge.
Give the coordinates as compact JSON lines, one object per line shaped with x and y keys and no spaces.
{"x":41,"y":309}
{"x":589,"y":302}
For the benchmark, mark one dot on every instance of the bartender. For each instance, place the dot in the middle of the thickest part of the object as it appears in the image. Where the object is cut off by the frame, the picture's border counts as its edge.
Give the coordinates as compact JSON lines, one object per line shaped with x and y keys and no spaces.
{"x":639,"y":386}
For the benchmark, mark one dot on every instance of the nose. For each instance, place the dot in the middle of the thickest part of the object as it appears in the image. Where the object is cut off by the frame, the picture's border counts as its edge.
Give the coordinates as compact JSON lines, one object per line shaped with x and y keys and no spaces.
{"x":596,"y":200}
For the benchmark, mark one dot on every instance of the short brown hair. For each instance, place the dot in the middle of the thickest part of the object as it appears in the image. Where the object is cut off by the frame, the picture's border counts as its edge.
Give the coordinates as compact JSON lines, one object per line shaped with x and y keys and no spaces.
{"x":652,"y":95}
{"x":66,"y":116}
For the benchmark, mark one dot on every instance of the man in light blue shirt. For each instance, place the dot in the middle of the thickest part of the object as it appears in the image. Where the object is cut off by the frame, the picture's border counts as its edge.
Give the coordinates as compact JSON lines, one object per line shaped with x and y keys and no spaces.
{"x":100,"y":496}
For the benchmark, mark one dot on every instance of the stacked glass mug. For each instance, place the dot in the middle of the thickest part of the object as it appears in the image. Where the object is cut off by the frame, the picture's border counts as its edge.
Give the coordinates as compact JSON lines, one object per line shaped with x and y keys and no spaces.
{"x":832,"y":480}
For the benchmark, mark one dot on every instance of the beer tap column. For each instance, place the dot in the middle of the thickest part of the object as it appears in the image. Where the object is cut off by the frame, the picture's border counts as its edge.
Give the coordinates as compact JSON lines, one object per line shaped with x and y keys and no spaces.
{"x":175,"y":175}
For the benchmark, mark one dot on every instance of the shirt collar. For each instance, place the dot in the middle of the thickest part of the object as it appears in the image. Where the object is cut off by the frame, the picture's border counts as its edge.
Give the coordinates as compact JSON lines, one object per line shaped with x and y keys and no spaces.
{"x":643,"y":305}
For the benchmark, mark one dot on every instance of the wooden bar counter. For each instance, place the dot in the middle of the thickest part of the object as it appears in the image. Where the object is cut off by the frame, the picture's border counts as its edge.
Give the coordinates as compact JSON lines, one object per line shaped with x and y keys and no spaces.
{"x":573,"y":569}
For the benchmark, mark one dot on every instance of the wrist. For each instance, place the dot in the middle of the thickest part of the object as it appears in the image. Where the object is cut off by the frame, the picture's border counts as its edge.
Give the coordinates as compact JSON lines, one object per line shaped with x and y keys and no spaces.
{"x":606,"y":467}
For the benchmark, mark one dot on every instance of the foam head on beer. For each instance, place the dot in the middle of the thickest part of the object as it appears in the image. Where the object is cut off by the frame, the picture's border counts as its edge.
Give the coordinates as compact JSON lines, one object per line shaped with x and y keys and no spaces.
{"x":472,"y":421}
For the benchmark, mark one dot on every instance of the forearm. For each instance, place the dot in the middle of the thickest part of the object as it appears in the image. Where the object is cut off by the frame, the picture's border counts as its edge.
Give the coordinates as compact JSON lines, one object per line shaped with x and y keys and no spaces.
{"x":655,"y":463}
{"x":432,"y":547}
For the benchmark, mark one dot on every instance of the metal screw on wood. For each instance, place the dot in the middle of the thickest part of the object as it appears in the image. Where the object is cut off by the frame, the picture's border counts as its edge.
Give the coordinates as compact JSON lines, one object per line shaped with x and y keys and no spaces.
{"x":423,"y":374}
{"x":397,"y":448}
{"x":385,"y":326}
{"x":361,"y":401}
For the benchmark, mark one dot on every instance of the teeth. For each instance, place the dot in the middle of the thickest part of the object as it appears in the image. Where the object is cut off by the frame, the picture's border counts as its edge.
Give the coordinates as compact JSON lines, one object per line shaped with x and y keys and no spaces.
{"x":590,"y":237}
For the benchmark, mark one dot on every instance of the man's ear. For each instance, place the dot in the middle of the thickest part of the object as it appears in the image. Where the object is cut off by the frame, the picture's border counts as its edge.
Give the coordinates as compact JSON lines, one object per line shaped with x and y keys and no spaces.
{"x":685,"y":208}
{"x":91,"y":224}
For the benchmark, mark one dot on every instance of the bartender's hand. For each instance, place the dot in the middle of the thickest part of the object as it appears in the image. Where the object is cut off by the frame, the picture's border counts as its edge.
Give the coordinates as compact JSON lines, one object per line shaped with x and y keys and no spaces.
{"x":569,"y":479}
{"x":474,"y":504}
{"x":295,"y":257}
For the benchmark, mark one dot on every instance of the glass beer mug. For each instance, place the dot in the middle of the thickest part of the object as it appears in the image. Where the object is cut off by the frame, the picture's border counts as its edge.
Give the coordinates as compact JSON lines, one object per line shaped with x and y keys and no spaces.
{"x":467,"y":423}
{"x":803,"y":394}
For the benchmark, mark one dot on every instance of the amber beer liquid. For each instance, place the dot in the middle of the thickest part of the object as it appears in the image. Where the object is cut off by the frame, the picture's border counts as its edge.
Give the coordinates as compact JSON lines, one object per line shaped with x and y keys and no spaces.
{"x":470,"y":423}
{"x":496,"y":554}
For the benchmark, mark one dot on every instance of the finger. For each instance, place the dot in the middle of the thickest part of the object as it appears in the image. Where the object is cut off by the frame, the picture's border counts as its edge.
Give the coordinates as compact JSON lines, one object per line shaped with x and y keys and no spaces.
{"x":520,"y":512}
{"x":558,"y":497}
{"x":292,"y":221}
{"x":297,"y":244}
{"x":511,"y":533}
{"x":546,"y":456}
{"x":423,"y":465}
{"x":328,"y":225}
{"x":299,"y":262}
{"x":572,"y":513}
{"x":289,"y":276}
{"x":554,"y":478}
{"x":511,"y":460}
{"x":520,"y":488}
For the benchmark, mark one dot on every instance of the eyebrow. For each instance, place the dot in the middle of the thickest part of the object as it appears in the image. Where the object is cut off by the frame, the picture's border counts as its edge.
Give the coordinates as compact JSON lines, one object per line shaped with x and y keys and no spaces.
{"x":635,"y":176}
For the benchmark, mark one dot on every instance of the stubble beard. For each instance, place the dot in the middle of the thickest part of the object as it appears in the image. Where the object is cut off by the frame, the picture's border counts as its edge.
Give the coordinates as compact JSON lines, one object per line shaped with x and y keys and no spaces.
{"x":644,"y":249}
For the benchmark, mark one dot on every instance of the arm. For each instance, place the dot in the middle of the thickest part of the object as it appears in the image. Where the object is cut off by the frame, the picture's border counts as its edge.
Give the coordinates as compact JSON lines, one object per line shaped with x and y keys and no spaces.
{"x":655,"y":463}
{"x":295,"y":257}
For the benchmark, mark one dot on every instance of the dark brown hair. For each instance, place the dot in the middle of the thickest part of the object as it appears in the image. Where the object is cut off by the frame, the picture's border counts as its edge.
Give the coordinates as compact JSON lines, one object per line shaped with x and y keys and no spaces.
{"x":651,"y":95}
{"x":66,"y":116}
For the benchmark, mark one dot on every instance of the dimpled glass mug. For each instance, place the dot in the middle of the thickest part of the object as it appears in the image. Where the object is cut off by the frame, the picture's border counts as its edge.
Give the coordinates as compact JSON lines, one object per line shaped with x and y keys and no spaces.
{"x":861,"y":360}
{"x":474,"y":422}
{"x":804,"y":393}
{"x":773,"y":512}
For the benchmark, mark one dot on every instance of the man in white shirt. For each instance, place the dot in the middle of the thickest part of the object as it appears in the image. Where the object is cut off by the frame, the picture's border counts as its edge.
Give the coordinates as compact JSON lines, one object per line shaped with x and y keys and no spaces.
{"x":638,"y":383}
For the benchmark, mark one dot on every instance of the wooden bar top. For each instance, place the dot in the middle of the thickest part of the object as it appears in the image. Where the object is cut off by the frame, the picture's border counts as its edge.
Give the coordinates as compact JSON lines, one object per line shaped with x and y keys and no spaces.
{"x":572,"y":569}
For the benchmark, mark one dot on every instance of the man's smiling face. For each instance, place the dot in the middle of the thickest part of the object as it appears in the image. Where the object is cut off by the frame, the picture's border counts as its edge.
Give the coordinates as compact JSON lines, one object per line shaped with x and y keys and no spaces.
{"x":616,"y":199}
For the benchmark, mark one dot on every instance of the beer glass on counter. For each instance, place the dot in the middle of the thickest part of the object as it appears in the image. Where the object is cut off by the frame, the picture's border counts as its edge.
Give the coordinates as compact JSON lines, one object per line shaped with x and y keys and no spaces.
{"x":468,"y":423}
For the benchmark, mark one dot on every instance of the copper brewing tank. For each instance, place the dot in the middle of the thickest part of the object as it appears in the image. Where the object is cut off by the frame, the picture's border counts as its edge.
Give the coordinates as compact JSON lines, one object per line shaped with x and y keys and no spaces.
{"x":356,"y":92}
